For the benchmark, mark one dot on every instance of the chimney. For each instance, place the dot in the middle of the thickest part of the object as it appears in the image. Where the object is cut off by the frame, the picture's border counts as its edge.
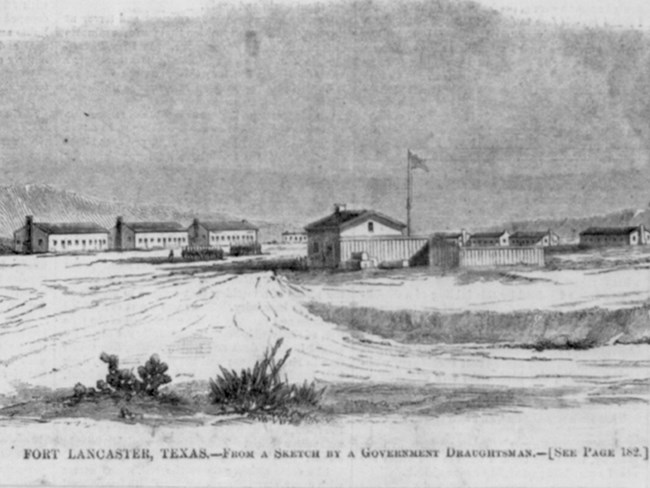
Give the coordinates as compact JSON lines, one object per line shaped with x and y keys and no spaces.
{"x":119,"y":223}
{"x":464,"y":237}
{"x":339,"y":207}
{"x":28,"y":244}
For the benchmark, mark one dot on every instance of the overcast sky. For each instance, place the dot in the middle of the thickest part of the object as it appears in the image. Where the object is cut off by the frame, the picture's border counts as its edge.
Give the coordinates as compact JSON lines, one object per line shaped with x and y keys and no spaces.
{"x":629,"y":13}
{"x":32,"y":14}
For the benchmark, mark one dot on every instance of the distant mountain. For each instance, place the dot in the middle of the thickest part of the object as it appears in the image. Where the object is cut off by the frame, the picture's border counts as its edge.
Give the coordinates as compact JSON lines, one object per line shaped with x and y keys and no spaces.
{"x":47,"y":203}
{"x":569,"y":229}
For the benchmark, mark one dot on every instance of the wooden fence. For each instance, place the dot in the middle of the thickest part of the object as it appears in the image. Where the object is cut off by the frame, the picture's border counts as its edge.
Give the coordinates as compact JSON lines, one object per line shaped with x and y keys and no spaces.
{"x":471,"y":257}
{"x":384,"y":249}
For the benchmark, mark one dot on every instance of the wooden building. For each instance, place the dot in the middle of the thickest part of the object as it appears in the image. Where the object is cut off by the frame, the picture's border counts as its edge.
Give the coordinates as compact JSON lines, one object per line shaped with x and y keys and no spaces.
{"x":148,"y":235}
{"x":615,"y":236}
{"x":222,"y":234}
{"x":489,"y":239}
{"x":460,"y":239}
{"x":42,"y":237}
{"x":447,"y":255}
{"x":294,"y":237}
{"x":533,"y":238}
{"x":325,"y":236}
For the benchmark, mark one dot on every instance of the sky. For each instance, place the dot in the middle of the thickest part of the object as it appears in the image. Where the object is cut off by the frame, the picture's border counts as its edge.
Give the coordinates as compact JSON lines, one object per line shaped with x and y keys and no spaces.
{"x":36,"y":15}
{"x":213,"y":112}
{"x":626,"y":13}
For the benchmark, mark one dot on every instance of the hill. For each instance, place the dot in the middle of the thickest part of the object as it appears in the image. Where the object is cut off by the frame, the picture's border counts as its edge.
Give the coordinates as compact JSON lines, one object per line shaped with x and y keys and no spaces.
{"x":47,"y":203}
{"x":569,"y":229}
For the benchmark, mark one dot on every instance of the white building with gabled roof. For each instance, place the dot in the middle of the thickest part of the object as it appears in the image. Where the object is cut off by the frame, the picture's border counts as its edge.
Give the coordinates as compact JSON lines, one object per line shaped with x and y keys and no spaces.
{"x":148,"y":235}
{"x":43,"y":237}
{"x":223,"y":234}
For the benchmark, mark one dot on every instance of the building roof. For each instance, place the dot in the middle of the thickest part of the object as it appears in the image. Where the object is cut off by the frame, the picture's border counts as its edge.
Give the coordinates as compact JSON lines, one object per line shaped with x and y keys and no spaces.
{"x":487,"y":235}
{"x":293,"y":232}
{"x":529,"y":235}
{"x":448,"y":235}
{"x":608,"y":231}
{"x":71,"y":228}
{"x":344,"y":219}
{"x":228,"y":225}
{"x":149,"y":227}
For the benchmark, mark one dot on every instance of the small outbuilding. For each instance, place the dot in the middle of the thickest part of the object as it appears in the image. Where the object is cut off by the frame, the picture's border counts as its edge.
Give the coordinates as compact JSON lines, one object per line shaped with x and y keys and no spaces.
{"x":460,"y":239}
{"x":534,"y":239}
{"x":294,"y":237}
{"x":489,"y":239}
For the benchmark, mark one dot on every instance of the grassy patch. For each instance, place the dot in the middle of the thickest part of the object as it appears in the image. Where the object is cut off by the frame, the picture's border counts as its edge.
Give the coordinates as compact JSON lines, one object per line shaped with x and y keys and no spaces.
{"x":578,"y":330}
{"x":259,"y":393}
{"x":260,"y":390}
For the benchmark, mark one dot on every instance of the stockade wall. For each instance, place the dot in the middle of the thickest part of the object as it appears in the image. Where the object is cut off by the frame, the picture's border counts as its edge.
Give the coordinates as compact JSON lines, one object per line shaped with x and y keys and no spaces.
{"x":501,"y":256}
{"x":384,"y":249}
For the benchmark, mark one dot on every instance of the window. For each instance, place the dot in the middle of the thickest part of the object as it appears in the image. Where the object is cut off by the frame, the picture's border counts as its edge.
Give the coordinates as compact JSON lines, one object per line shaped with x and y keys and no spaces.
{"x":83,"y":243}
{"x":371,"y":226}
{"x":40,"y":242}
{"x":315,"y":247}
{"x":53,"y":243}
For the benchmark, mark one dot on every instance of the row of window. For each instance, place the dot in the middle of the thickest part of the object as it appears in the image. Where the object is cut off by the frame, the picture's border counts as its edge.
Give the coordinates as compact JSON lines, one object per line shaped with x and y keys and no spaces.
{"x":214,"y":238}
{"x":295,"y":238}
{"x":90,"y":242}
{"x":606,"y":239}
{"x":480,"y":242}
{"x":161,"y":240}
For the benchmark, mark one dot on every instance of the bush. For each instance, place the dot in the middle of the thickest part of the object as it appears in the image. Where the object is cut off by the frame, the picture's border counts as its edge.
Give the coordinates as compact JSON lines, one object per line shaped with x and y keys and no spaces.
{"x":246,"y":249}
{"x":202,"y":253}
{"x":260,"y":388}
{"x":123,"y":381}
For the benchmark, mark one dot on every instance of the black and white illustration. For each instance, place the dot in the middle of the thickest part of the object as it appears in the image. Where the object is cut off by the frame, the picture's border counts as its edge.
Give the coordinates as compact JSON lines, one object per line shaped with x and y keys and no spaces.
{"x":340,"y":243}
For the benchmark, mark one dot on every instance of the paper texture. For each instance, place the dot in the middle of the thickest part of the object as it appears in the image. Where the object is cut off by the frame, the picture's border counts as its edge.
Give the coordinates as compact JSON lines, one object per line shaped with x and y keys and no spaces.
{"x":295,"y":244}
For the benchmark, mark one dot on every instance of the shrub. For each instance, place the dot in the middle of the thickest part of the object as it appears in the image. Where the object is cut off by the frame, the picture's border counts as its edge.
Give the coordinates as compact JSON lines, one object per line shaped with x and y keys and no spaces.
{"x":123,"y":381}
{"x":254,"y":249}
{"x":204,"y":253}
{"x":260,"y":388}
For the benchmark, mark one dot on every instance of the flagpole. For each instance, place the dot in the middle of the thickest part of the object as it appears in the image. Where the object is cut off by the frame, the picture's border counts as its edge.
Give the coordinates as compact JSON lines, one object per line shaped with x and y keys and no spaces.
{"x":408,"y":193}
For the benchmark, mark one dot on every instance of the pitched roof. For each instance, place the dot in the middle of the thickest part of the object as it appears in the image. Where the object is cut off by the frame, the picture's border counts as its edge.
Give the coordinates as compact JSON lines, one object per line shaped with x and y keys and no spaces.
{"x":228,"y":225}
{"x":487,"y":235}
{"x":71,"y":228}
{"x":529,"y":235}
{"x":293,"y":232}
{"x":143,"y":227}
{"x":595,"y":231}
{"x":349,"y":218}
{"x":448,"y":235}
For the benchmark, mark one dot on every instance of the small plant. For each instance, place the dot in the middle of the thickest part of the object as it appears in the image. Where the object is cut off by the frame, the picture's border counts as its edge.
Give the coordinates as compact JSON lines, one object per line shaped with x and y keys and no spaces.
{"x":123,"y":381}
{"x":260,"y":389}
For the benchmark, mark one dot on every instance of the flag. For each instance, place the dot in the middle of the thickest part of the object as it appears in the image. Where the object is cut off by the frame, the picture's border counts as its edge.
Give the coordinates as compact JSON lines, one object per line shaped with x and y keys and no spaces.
{"x":417,"y":162}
